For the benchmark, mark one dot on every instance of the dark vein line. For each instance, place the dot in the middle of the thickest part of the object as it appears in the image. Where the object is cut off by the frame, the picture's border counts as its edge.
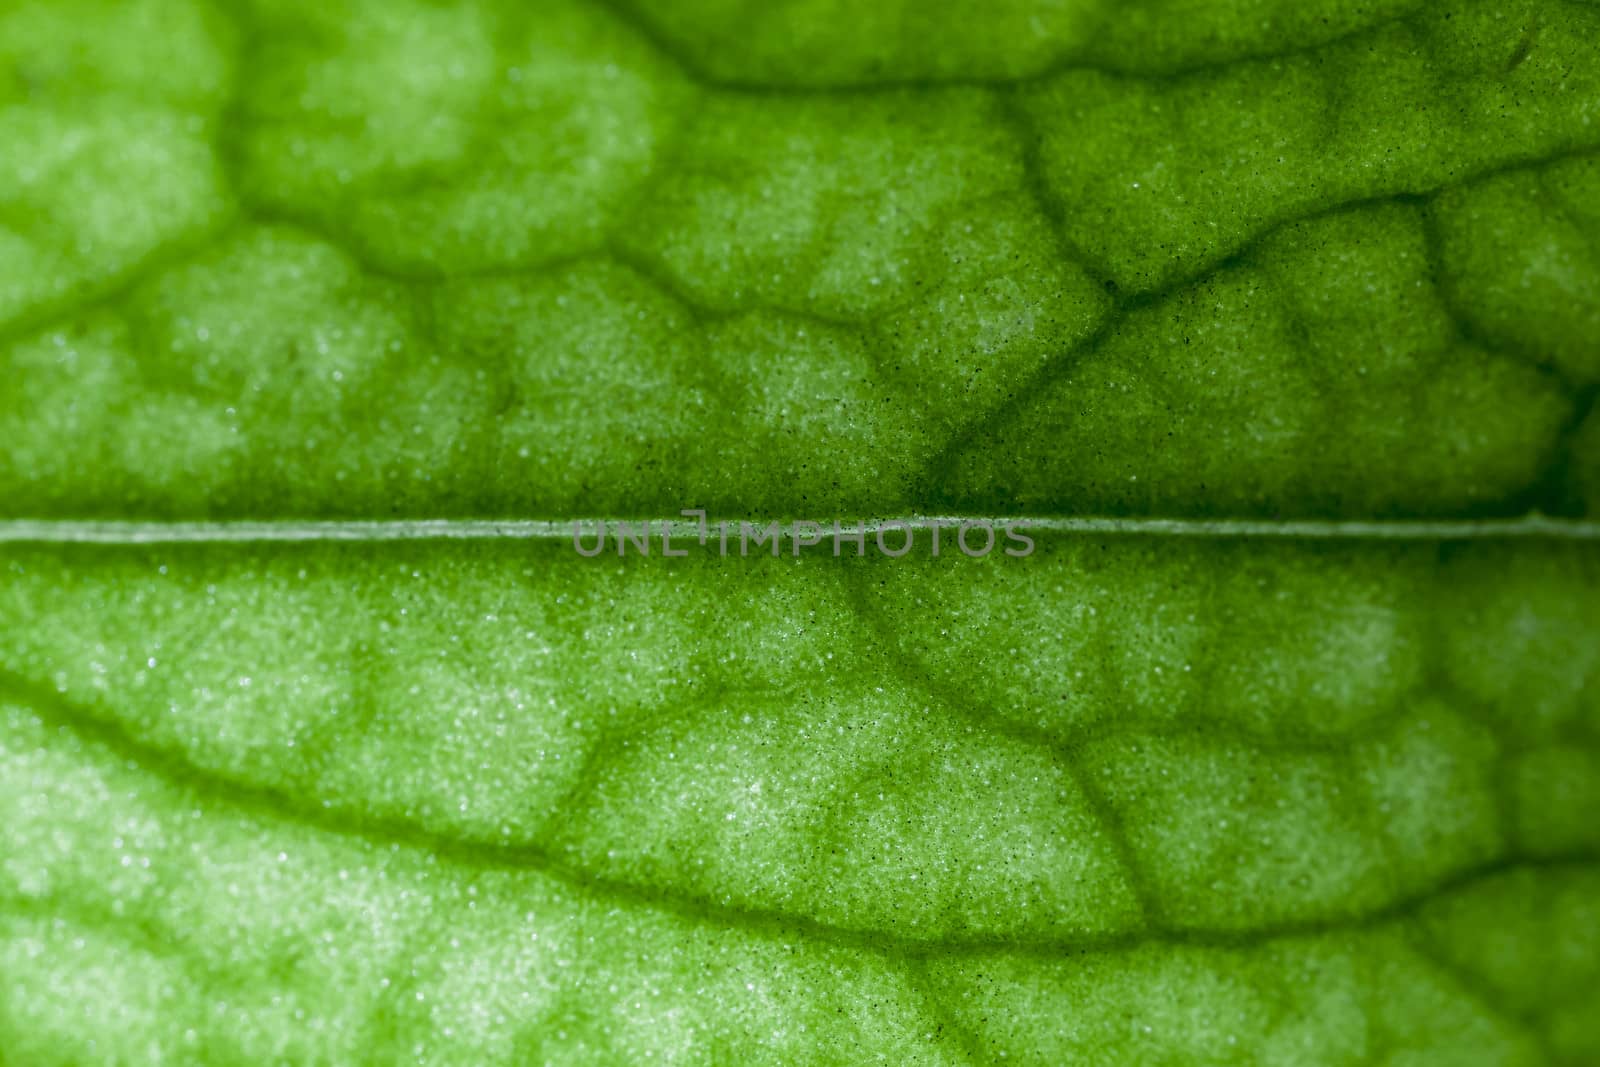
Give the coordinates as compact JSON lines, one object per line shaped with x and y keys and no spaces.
{"x":1474,"y":989}
{"x":681,"y":56}
{"x":89,"y":297}
{"x":938,"y":471}
{"x":213,"y":790}
{"x":949,"y":1023}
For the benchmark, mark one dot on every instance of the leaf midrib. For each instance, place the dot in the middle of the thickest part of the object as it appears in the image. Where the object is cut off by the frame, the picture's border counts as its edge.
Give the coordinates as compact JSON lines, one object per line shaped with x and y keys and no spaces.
{"x":1534,"y":526}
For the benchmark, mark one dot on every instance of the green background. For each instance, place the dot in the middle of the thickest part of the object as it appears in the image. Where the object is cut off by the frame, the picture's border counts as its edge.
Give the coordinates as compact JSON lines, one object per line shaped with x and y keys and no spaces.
{"x":1253,"y":796}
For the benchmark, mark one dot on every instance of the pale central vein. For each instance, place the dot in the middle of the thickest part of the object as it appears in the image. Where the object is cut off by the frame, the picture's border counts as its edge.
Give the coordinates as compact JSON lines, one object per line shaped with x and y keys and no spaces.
{"x":134,"y":532}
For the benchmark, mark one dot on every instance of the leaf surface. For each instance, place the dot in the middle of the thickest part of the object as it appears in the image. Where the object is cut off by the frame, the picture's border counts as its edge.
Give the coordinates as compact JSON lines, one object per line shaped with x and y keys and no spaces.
{"x":1264,"y":791}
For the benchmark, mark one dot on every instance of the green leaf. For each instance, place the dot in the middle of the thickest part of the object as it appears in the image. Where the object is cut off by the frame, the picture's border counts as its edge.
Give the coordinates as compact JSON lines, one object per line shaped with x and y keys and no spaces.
{"x":322,"y":322}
